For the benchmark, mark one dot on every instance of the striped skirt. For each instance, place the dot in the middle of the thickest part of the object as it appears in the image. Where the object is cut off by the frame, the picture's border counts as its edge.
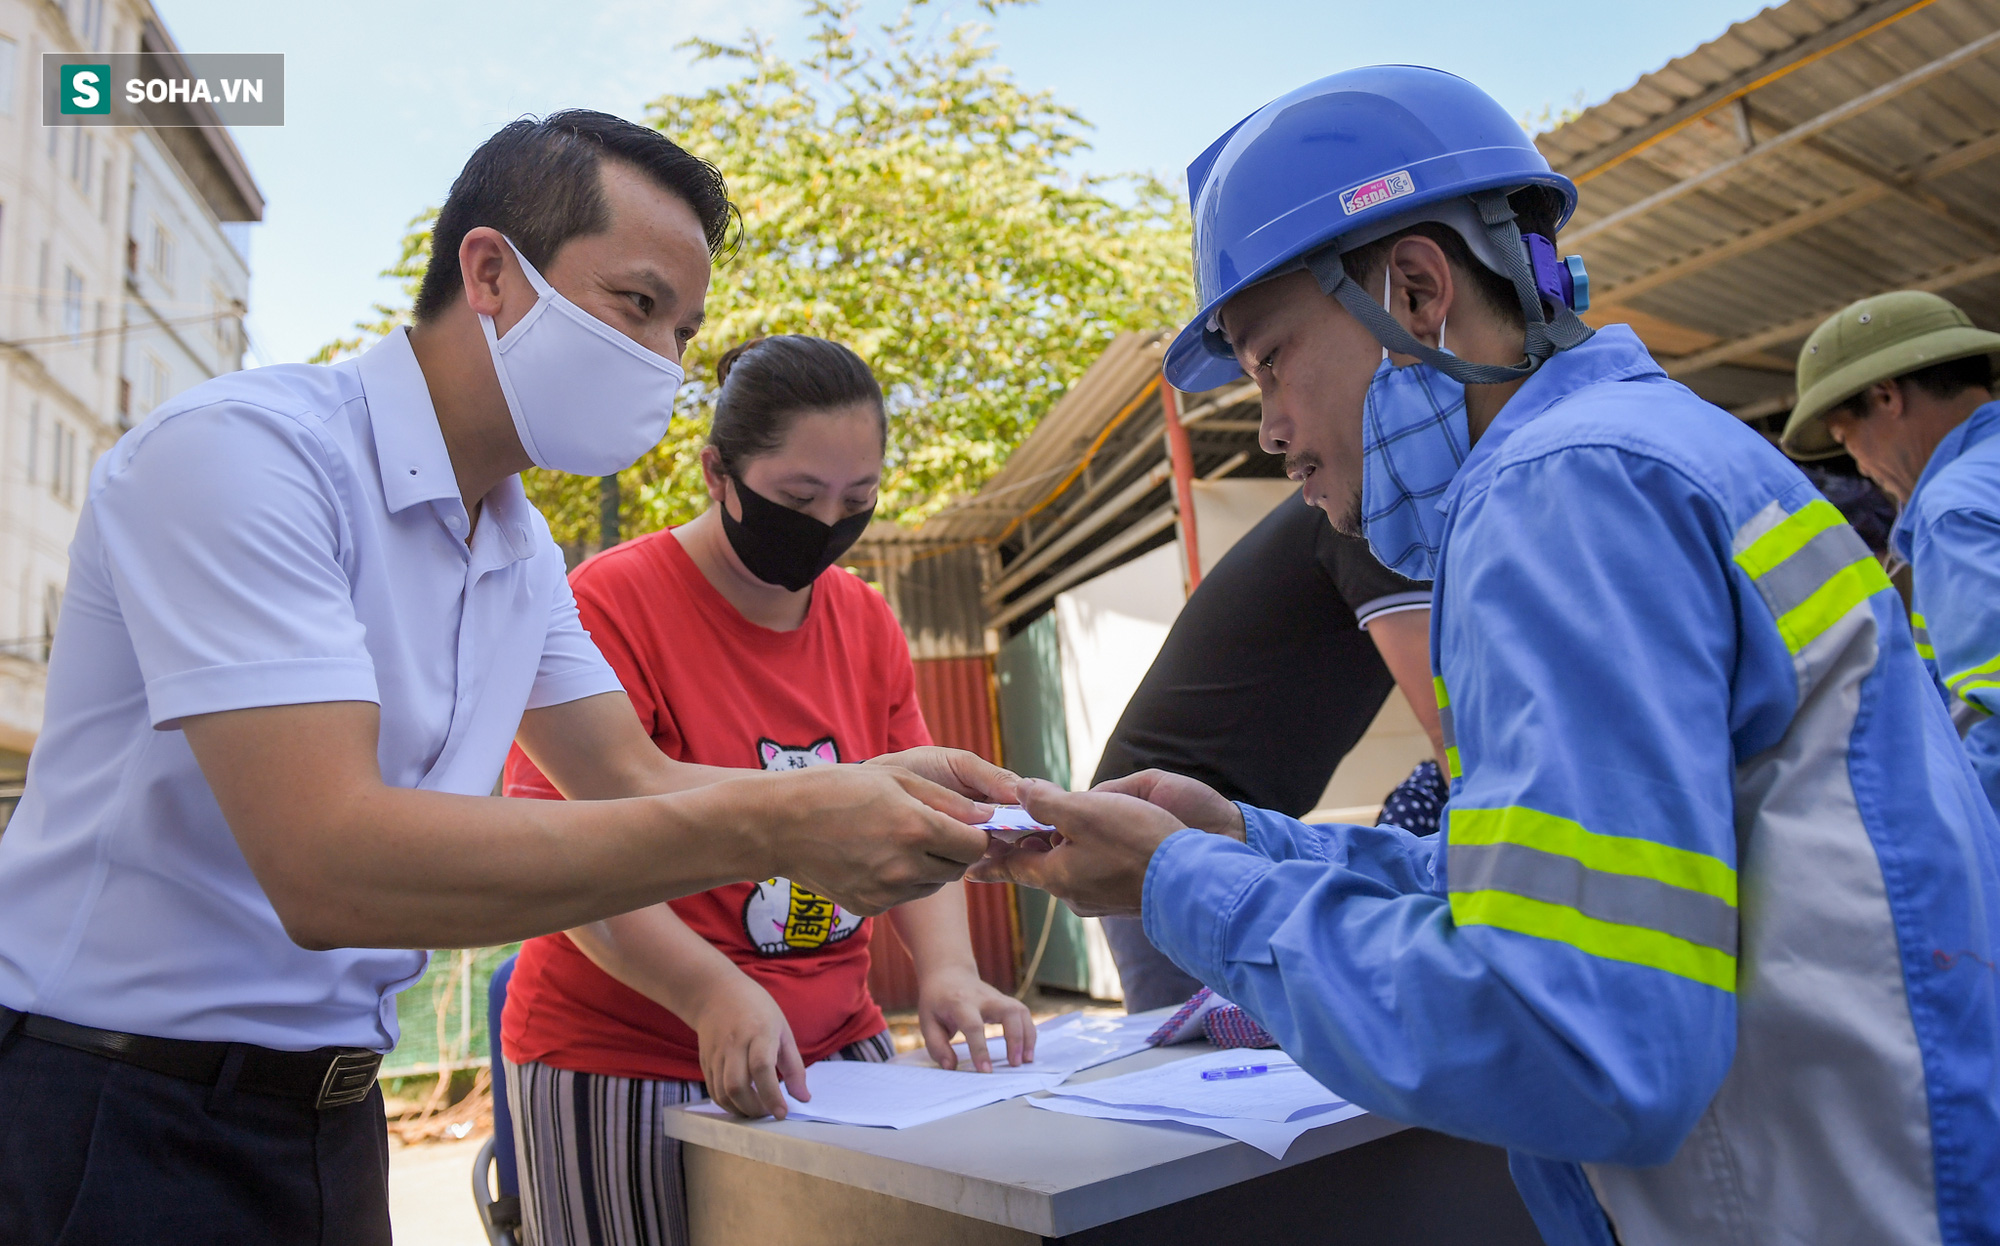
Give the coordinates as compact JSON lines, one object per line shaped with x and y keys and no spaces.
{"x":596,"y":1169}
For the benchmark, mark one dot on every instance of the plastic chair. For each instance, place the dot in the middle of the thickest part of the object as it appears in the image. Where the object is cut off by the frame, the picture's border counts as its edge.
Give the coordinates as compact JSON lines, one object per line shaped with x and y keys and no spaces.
{"x":499,"y":1214}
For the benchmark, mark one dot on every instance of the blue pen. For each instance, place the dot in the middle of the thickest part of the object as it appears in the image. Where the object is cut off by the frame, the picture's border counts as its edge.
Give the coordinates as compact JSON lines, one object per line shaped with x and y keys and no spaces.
{"x":1241,"y":1070}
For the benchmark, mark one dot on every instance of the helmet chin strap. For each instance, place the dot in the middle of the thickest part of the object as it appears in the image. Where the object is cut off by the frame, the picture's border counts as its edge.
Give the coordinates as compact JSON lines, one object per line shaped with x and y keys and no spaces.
{"x":1542,"y":337}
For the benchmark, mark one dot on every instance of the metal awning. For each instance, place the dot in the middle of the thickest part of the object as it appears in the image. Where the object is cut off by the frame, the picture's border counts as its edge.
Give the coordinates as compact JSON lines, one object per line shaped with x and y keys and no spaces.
{"x":1820,"y":152}
{"x":1091,"y":488}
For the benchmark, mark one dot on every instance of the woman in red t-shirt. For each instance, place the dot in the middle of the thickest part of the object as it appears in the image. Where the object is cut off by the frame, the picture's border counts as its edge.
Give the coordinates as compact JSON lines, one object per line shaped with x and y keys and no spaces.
{"x":740,"y":645}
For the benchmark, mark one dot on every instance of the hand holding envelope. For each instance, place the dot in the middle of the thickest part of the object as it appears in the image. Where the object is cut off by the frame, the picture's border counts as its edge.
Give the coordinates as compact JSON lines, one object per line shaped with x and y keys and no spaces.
{"x":1010,"y":824}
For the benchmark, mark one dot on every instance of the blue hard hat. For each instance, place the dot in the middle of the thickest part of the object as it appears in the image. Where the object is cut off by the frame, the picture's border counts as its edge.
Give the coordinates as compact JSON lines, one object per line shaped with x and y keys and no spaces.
{"x":1337,"y":157}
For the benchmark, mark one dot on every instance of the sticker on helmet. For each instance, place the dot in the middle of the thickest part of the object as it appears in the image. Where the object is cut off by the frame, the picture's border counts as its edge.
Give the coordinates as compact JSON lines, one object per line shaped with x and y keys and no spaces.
{"x":1381,"y":190}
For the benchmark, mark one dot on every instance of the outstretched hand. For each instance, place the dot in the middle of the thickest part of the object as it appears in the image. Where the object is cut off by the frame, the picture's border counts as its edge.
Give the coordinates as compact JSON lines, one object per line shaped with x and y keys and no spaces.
{"x":968,"y":774}
{"x":871,"y":837}
{"x":1195,"y":803}
{"x":1097,"y":860}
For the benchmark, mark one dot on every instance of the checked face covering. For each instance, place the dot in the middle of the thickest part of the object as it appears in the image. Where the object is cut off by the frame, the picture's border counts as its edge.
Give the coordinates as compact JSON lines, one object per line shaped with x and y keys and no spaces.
{"x":1413,"y":440}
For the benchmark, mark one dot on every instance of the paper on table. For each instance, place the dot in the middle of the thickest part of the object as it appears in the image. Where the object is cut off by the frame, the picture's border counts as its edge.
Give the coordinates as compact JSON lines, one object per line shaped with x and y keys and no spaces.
{"x":897,"y":1096}
{"x":1278,"y":1095}
{"x":1273,"y":1138}
{"x":1067,"y":1044}
{"x":1011,"y":822}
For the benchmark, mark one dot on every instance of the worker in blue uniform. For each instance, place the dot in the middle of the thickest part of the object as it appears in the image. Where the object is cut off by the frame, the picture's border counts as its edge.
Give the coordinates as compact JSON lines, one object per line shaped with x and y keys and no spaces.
{"x":1903,"y":382}
{"x":1708,"y":939}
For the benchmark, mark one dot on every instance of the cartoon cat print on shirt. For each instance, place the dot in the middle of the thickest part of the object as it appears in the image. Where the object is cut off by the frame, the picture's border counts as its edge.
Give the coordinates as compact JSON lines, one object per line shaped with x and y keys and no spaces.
{"x":776,"y":756}
{"x":779,"y":916}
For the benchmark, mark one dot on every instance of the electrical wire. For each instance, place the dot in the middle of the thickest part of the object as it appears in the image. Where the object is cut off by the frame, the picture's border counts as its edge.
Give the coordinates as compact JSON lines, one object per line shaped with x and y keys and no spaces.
{"x":1041,"y":946}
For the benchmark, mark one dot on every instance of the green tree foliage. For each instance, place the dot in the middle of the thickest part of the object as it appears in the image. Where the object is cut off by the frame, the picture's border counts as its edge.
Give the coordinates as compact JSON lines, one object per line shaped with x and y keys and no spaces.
{"x":409,"y":271}
{"x":903,"y":194}
{"x":1553,"y":116}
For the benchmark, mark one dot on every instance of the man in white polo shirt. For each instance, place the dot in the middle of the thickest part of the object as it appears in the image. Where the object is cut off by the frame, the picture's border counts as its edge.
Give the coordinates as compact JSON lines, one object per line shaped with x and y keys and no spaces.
{"x":308,"y":610}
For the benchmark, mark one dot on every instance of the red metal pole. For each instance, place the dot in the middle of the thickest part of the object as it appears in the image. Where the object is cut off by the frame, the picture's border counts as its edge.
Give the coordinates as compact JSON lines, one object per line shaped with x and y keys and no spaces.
{"x":1181,"y":455}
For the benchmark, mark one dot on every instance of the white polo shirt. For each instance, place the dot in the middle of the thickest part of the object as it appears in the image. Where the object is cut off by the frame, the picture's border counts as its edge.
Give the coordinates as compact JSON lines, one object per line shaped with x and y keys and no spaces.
{"x":274,"y":537}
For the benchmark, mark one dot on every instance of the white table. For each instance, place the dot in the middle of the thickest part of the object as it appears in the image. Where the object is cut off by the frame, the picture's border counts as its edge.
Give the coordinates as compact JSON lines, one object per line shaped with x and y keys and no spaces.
{"x":1013,"y":1174}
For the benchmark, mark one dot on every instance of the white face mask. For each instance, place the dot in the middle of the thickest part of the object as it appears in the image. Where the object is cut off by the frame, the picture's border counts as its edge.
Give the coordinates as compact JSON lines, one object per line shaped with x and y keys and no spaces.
{"x":585,"y":398}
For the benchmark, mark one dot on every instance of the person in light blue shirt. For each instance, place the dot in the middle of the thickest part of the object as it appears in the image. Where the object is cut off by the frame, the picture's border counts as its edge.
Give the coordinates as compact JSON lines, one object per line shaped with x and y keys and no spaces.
{"x":1708,"y":938}
{"x":1903,"y":382}
{"x":309,"y":610}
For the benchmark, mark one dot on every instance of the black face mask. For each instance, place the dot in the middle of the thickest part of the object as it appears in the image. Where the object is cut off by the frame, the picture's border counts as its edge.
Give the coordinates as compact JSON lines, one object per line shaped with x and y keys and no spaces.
{"x":785,"y":547}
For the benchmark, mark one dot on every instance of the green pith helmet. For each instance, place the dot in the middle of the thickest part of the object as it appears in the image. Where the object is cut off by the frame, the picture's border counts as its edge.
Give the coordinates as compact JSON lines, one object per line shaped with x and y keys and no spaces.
{"x":1876,"y":339}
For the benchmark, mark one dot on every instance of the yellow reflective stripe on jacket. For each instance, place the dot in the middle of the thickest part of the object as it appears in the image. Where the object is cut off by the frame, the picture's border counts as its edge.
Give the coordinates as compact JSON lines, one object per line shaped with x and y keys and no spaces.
{"x":1812,"y":570}
{"x":1921,"y":633}
{"x":1613,"y":854}
{"x":1964,"y":681}
{"x":1446,"y":728}
{"x":1848,"y":588}
{"x":1614,"y":896}
{"x":1634,"y":945}
{"x":1788,"y":537}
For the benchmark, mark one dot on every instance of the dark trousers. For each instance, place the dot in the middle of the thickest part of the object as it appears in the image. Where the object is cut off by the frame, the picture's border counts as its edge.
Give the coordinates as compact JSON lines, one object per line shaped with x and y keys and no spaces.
{"x":93,"y":1151}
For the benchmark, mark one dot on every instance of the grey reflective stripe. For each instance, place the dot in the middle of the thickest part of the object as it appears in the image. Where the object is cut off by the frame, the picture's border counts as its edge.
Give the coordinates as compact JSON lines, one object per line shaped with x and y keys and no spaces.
{"x":1445,"y":727}
{"x":1920,"y":633}
{"x":1786,"y":586}
{"x":1965,"y":716}
{"x":1757,"y":525}
{"x":1622,"y":898}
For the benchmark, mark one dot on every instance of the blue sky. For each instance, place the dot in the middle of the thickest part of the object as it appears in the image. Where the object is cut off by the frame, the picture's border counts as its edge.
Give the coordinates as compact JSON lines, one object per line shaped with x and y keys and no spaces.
{"x":385,"y":100}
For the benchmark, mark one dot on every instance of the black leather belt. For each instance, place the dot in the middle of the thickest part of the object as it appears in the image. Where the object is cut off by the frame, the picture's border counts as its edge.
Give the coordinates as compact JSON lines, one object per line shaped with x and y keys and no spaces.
{"x":331,"y":1077}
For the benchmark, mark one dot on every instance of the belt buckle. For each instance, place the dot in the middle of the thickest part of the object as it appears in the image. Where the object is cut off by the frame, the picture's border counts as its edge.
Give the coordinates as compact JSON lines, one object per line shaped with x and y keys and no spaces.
{"x":348,"y":1079}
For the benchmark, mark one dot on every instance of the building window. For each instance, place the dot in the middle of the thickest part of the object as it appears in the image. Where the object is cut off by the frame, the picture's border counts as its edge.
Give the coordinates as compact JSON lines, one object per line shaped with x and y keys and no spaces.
{"x":97,"y":340}
{"x":162,"y":261}
{"x":224,"y":324}
{"x":157,"y":381}
{"x":35,"y":443}
{"x":9,"y":56}
{"x":72,"y":305}
{"x":42,"y":285}
{"x":52,"y":601}
{"x":62,"y":459}
{"x":64,"y":484}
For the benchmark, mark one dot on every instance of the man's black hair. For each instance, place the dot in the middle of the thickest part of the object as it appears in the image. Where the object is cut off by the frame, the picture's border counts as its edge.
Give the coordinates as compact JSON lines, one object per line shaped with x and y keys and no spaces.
{"x":541,"y":184}
{"x":1941,"y":380}
{"x":1536,"y":211}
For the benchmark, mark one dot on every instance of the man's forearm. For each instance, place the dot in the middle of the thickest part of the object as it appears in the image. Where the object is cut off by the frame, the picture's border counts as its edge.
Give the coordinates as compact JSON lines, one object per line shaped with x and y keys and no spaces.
{"x":425,"y":869}
{"x":349,"y":861}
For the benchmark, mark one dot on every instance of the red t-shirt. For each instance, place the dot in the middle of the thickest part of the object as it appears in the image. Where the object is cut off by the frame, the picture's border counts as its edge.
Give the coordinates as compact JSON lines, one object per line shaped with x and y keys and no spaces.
{"x":712,"y":687}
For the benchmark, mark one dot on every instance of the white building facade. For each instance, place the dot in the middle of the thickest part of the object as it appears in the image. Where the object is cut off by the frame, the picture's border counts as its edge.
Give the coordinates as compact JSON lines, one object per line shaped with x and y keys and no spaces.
{"x":124,"y":277}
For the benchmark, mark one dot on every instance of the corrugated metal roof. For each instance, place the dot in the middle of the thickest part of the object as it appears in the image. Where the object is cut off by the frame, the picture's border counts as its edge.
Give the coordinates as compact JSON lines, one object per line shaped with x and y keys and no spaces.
{"x":1085,"y":492}
{"x":1058,"y":442}
{"x":1820,"y":152}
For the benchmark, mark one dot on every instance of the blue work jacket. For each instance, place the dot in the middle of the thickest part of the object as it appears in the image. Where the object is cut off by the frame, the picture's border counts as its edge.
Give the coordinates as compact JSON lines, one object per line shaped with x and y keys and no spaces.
{"x":1708,"y":940}
{"x":1949,"y":532}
